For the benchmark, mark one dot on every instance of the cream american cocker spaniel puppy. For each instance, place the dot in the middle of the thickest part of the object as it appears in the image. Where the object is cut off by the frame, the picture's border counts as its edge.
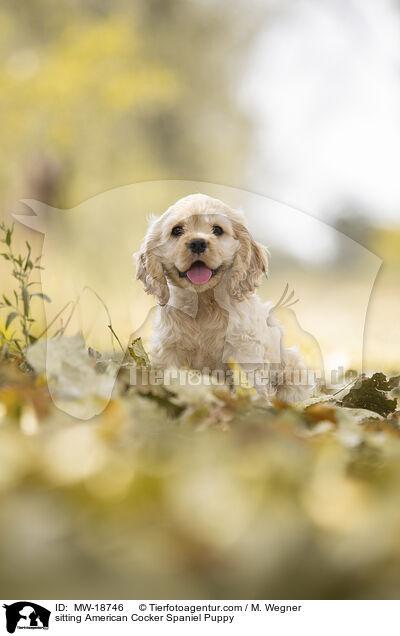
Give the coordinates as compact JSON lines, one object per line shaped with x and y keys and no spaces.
{"x":201,"y":264}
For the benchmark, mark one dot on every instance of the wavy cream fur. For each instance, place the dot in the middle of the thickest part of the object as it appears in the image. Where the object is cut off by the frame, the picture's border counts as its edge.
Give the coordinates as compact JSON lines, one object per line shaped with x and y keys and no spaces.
{"x":203,"y":326}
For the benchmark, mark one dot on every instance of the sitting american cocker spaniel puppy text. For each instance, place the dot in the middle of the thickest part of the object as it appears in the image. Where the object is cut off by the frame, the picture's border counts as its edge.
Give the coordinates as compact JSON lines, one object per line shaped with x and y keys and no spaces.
{"x":201,"y":264}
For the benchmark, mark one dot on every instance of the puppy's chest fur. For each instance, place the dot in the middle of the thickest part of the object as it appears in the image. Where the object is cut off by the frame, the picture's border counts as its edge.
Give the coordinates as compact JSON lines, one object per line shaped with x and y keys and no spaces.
{"x":197,"y":342}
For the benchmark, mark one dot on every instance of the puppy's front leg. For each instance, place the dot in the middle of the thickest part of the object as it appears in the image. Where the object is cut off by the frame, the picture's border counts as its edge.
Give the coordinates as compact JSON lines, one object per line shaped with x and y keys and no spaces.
{"x":167,"y":357}
{"x":293,"y":385}
{"x":173,"y":340}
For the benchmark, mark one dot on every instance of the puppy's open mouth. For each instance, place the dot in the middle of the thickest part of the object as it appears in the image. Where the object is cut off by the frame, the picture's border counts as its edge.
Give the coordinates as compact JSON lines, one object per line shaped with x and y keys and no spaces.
{"x":198,"y":273}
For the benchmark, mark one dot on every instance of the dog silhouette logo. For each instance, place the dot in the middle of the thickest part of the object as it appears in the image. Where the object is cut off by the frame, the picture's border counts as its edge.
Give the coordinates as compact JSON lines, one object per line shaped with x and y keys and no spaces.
{"x":26,"y":615}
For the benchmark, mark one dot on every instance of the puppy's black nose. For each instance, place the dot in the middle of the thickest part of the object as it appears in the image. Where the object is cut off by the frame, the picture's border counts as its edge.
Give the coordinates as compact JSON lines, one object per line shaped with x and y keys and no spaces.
{"x":197,"y":246}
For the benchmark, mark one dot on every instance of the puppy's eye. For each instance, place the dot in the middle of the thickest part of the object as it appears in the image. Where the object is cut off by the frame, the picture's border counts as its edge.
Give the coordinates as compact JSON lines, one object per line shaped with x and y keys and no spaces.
{"x":177,"y":230}
{"x":217,"y":230}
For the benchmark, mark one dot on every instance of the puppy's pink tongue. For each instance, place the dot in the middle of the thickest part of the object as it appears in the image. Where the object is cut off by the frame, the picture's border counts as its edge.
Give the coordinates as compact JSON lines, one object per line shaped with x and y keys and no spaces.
{"x":199,"y":274}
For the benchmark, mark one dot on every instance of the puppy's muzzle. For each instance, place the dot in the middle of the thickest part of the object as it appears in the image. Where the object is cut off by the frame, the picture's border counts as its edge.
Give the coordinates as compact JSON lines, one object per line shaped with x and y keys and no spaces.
{"x":197,"y":246}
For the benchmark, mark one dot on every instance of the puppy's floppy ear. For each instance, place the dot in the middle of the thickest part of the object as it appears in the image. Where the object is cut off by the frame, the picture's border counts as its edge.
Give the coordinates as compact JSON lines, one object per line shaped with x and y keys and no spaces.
{"x":149,"y":269}
{"x":249,"y":264}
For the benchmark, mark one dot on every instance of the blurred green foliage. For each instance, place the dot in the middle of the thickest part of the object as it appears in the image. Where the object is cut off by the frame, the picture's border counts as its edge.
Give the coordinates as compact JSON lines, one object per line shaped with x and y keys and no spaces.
{"x":104,"y":93}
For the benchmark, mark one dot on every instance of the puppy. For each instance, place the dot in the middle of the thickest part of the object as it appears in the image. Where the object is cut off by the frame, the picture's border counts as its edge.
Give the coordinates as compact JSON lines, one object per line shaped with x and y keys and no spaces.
{"x":201,"y":264}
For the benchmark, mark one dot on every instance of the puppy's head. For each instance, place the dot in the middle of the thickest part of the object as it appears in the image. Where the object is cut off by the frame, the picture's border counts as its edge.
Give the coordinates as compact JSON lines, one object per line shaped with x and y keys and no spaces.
{"x":195,"y":243}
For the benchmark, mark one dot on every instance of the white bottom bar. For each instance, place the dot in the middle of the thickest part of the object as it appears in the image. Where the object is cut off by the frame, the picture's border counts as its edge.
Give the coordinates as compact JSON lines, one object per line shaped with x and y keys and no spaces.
{"x":194,"y":617}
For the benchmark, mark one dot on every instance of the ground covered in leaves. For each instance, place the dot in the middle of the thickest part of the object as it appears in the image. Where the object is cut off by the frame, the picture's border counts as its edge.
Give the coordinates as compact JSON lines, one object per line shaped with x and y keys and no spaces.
{"x":192,"y":491}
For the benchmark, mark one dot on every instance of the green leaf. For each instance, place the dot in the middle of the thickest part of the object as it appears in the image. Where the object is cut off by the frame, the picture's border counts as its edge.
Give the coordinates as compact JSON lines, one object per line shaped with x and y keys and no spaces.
{"x":6,"y":300}
{"x":11,"y":316}
{"x":16,"y":342}
{"x":44,"y":296}
{"x":8,"y":237}
{"x":28,"y":262}
{"x":138,"y":353}
{"x":371,"y":394}
{"x":25,"y":300}
{"x":6,"y":256}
